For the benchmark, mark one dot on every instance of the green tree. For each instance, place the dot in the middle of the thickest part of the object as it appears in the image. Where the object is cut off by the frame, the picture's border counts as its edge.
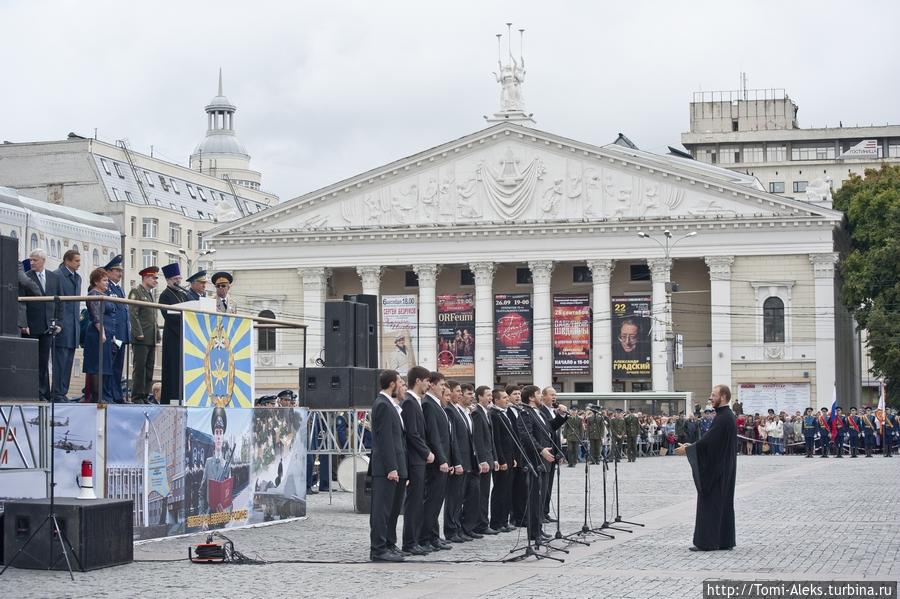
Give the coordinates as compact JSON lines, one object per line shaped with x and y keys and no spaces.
{"x":871,"y":267}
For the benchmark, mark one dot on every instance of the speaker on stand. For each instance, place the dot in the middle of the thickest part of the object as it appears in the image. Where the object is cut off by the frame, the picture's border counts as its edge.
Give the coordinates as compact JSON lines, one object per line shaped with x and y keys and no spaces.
{"x":371,"y":326}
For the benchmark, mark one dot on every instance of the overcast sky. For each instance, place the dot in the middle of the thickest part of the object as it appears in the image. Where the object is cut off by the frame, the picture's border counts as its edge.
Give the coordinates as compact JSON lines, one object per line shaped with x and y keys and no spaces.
{"x":327,"y":90}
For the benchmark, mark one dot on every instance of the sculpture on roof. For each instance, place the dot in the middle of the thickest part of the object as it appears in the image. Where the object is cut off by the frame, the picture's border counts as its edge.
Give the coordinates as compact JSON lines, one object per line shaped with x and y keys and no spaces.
{"x":510,"y":76}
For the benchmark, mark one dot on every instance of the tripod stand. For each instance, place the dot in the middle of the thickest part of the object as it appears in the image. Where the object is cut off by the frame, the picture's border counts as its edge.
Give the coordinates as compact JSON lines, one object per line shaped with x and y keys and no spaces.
{"x":51,"y":518}
{"x":606,"y":525}
{"x":618,"y":517}
{"x":585,"y":529}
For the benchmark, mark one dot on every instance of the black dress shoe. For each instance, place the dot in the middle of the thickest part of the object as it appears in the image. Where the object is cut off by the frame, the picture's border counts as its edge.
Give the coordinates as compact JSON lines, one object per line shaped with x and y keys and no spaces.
{"x":398,"y":551}
{"x":550,"y":519}
{"x":456,"y":539}
{"x":474,"y":535}
{"x":545,"y":536}
{"x":506,"y":528}
{"x":416,"y":550}
{"x":466,"y":538}
{"x":489,"y":531}
{"x":385,"y":556}
{"x":695,"y":548}
{"x":438,"y":546}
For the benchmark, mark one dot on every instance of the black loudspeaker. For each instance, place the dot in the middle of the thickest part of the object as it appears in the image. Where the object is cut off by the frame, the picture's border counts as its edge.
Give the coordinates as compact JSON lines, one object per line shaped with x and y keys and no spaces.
{"x":18,"y":369}
{"x":340,"y":323}
{"x":371,"y":327}
{"x":100,"y":531}
{"x":339,"y":388}
{"x":9,"y":286}
{"x":360,"y":335}
{"x":362,"y":493}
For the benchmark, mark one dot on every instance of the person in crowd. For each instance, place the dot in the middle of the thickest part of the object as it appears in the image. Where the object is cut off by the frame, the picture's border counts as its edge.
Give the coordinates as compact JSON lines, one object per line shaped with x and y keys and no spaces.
{"x":870,"y":426}
{"x":483,"y":437}
{"x":823,"y":428}
{"x":418,"y":456}
{"x":596,"y":429}
{"x":98,"y":342}
{"x":761,"y":435}
{"x":196,"y":285}
{"x":388,"y":469}
{"x":617,"y":433}
{"x":67,"y":340}
{"x":144,"y":335}
{"x":838,"y":428}
{"x":437,"y":436}
{"x":43,"y":318}
{"x":507,"y":456}
{"x":121,"y":336}
{"x":854,"y":429}
{"x":632,"y":432}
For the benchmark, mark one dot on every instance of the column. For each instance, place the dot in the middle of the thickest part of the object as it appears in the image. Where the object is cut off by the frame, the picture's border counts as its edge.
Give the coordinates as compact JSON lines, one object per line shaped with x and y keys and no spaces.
{"x":601,"y":351}
{"x":484,"y":322}
{"x":660,"y":269}
{"x":823,"y":273}
{"x":314,"y":282}
{"x":542,"y":354}
{"x":720,"y":317}
{"x":427,"y":350}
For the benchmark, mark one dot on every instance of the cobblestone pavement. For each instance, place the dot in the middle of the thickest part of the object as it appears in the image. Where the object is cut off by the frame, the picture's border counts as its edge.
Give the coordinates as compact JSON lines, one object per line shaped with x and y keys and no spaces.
{"x":796,"y":519}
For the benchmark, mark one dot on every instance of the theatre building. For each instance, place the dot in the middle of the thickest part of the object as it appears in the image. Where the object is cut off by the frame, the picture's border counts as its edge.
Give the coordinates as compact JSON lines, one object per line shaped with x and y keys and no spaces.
{"x":513,"y":255}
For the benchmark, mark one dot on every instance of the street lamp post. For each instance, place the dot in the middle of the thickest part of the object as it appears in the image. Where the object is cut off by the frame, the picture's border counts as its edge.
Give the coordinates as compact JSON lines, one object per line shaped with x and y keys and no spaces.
{"x":667,"y":245}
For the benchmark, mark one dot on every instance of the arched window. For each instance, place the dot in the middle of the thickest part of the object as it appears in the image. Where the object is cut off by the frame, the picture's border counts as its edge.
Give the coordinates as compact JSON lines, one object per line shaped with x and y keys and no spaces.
{"x":96,"y":257}
{"x":266,"y":337}
{"x":773,"y":320}
{"x":34,"y":241}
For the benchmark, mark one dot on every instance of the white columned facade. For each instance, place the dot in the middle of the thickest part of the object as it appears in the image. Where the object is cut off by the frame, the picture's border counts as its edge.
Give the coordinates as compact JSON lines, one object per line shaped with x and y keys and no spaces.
{"x":427,"y":350}
{"x":601,"y":352}
{"x":484,"y":322}
{"x":371,"y":279}
{"x":823,"y":272}
{"x":720,"y":317}
{"x":660,"y":269}
{"x":542,"y":352}
{"x":314,"y":282}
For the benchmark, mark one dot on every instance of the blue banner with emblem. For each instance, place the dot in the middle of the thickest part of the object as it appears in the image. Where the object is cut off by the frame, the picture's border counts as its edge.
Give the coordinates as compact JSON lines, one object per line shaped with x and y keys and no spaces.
{"x":218,"y":360}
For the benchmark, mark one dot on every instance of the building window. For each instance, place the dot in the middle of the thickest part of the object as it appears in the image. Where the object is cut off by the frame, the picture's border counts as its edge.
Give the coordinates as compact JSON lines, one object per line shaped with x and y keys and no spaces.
{"x":174,"y":186}
{"x":776,"y":153}
{"x":173,"y":206}
{"x":175,"y":233}
{"x":149,"y":227}
{"x":800,"y":186}
{"x":134,"y":226}
{"x":149,"y":258}
{"x":34,"y":241}
{"x":148,"y":179}
{"x":814,"y":152}
{"x":466,"y":278}
{"x":734,"y":124}
{"x":584,"y":387}
{"x":894,"y":149}
{"x":95,"y":256}
{"x":190,"y":235}
{"x":105,"y":166}
{"x":222,"y":195}
{"x":729,"y":154}
{"x":753,"y":154}
{"x":202,"y":194}
{"x":523,"y":276}
{"x":773,"y":320}
{"x":128,"y":196}
{"x":266,"y":340}
{"x":162,"y":182}
{"x":776,"y":187}
{"x":116,"y":195}
{"x":191,"y":191}
{"x":707,"y":155}
{"x":410,"y":279}
{"x":640,"y":272}
{"x":119,"y":170}
{"x":582,"y":274}
{"x":132,"y":257}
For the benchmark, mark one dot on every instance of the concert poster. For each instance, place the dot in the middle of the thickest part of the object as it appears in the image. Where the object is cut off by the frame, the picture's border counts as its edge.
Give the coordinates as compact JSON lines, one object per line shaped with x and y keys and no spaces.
{"x":456,"y":335}
{"x":513,"y":340}
{"x":632,"y":320}
{"x":572,"y":334}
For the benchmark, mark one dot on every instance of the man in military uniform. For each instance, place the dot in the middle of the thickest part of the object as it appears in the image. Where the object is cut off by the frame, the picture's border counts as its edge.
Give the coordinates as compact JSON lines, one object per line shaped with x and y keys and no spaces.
{"x":617,"y":430}
{"x":809,"y":432}
{"x":197,"y":283}
{"x":223,"y":281}
{"x":596,"y":428}
{"x":144,"y":335}
{"x":123,"y":326}
{"x":706,"y":421}
{"x":823,"y":427}
{"x":680,"y":431}
{"x":632,"y":432}
{"x":839,"y":425}
{"x":870,"y":425}
{"x":853,"y":429}
{"x":573,"y":431}
{"x":217,"y":467}
{"x":171,"y":352}
{"x":891,"y":430}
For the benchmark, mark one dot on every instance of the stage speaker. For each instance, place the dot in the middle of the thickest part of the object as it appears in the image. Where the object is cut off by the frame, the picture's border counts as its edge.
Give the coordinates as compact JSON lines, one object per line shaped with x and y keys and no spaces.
{"x":340,"y":388}
{"x":18,"y":369}
{"x":100,"y":531}
{"x":362,"y":493}
{"x":371,"y":326}
{"x":360,"y":335}
{"x":340,"y":323}
{"x":9,"y":286}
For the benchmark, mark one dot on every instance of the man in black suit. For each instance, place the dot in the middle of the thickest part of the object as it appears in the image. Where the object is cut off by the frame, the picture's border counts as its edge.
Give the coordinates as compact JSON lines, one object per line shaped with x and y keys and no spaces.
{"x":471,"y":508}
{"x":41,"y":315}
{"x":65,"y":343}
{"x":437,"y":436}
{"x":418,"y":455}
{"x":483,"y":436}
{"x":507,"y":456}
{"x":519,"y":475}
{"x":555,"y":418}
{"x":534,"y":435}
{"x":463,"y":457}
{"x":388,"y":468}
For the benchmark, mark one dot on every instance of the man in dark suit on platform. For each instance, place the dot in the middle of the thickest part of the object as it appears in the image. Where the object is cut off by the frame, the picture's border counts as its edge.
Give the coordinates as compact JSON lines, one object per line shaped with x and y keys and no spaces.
{"x":483,"y":436}
{"x":535,"y":437}
{"x":41,"y":316}
{"x":388,"y":469}
{"x":555,"y":417}
{"x":519,"y":476}
{"x":463,"y":456}
{"x":65,"y":343}
{"x":437,"y":436}
{"x":418,"y":455}
{"x":507,"y":456}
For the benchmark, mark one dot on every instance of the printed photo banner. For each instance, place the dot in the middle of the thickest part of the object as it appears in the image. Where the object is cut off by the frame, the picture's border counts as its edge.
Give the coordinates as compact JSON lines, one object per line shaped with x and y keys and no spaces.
{"x":399,"y":332}
{"x":572,"y":334}
{"x":513,"y":339}
{"x":218,"y":360}
{"x":456,"y":335}
{"x":631,"y":343}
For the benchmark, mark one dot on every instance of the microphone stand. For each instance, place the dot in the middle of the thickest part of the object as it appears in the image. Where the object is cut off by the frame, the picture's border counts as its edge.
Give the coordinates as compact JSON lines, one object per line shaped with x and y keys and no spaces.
{"x":559,"y":535}
{"x":606,"y":524}
{"x":585,"y":528}
{"x":618,"y":517}
{"x":529,"y":549}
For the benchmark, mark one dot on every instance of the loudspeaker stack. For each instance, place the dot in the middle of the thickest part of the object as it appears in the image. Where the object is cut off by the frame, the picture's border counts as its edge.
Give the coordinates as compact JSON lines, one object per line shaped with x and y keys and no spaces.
{"x":18,"y":356}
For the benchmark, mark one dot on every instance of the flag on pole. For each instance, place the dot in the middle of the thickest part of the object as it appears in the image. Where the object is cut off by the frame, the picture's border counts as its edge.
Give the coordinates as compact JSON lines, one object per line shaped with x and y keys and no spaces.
{"x":834,"y":412}
{"x":881,"y":413}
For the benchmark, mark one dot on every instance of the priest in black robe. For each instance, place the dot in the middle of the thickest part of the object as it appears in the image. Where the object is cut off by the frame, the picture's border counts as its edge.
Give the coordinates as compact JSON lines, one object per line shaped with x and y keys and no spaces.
{"x":713,"y":460}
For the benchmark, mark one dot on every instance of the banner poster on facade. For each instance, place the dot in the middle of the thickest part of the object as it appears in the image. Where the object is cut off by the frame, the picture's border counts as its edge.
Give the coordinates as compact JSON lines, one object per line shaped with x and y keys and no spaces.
{"x":632,"y":320}
{"x":74,"y":439}
{"x":572,"y":334}
{"x":512,"y":336}
{"x":145,"y":463}
{"x":781,"y":397}
{"x":218,"y":360}
{"x":399,"y":332}
{"x":456,"y":335}
{"x":278,"y":464}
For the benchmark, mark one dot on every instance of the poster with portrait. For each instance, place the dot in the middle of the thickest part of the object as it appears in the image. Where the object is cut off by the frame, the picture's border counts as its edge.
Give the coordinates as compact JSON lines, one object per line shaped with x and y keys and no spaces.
{"x":456,"y":335}
{"x":572,"y":334}
{"x":278,"y":464}
{"x":145,"y":464}
{"x":632,"y":319}
{"x":218,"y":360}
{"x":217,"y":451}
{"x":512,"y":334}
{"x":399,"y":332}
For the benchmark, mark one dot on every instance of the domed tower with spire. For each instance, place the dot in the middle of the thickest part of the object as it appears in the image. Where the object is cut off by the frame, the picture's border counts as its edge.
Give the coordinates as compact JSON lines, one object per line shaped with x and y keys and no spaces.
{"x":221,"y":154}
